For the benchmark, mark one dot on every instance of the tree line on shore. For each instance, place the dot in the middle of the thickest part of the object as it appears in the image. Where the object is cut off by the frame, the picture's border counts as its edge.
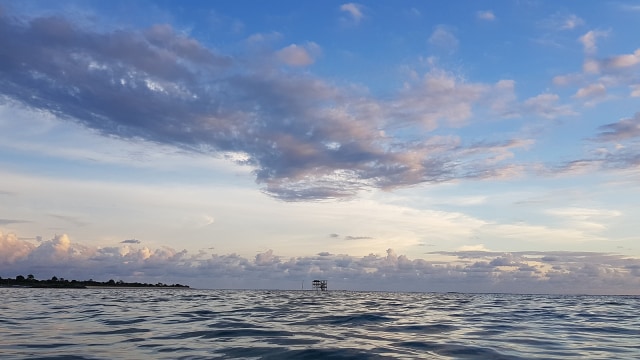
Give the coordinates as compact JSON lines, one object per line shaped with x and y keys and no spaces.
{"x":55,"y":282}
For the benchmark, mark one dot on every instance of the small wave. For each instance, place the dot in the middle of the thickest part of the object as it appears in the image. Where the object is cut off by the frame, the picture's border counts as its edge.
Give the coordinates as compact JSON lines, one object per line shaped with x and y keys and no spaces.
{"x":118,"y":331}
{"x":423,"y":329}
{"x":322,"y":353}
{"x":458,"y":351}
{"x":45,"y":346}
{"x":111,"y":322}
{"x":228,"y":333}
{"x":62,"y":357}
{"x":351,"y":319}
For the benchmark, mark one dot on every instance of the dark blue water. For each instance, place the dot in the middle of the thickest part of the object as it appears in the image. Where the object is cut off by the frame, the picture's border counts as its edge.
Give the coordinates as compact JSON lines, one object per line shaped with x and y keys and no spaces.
{"x":214,"y":324}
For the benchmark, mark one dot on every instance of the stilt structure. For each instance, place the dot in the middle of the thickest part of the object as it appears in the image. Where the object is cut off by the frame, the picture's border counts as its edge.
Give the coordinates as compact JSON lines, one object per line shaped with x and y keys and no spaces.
{"x":319,"y":285}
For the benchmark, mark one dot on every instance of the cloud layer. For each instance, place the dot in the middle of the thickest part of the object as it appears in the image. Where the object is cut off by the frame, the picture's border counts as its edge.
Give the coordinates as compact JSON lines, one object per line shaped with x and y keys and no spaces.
{"x":470,"y":271}
{"x":304,"y":137}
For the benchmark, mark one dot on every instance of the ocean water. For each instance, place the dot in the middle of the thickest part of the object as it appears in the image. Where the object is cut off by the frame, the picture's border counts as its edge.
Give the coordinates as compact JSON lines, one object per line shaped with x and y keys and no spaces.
{"x":216,"y":324}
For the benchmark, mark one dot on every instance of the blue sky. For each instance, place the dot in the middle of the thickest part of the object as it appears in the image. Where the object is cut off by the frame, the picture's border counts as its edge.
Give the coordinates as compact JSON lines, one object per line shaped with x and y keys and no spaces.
{"x":418,"y":146}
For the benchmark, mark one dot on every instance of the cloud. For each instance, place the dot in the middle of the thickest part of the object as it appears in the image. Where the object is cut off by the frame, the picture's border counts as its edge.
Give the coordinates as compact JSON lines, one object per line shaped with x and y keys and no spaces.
{"x":349,"y":237}
{"x":623,"y":61}
{"x":130,"y":241}
{"x":602,"y":76}
{"x":354,"y":10}
{"x":571,"y":22}
{"x":635,"y":90}
{"x":621,"y":130}
{"x":477,"y":247}
{"x":584,"y":218}
{"x":562,"y":22}
{"x":485,"y":15}
{"x":295,"y":55}
{"x":12,"y":221}
{"x":70,"y":219}
{"x":545,"y":105}
{"x":437,"y":96}
{"x":568,"y":79}
{"x":470,"y":270}
{"x":616,"y":148}
{"x":304,"y":138}
{"x":612,"y":65}
{"x":629,"y":7}
{"x":443,"y":37}
{"x":13,"y":249}
{"x":589,"y":39}
{"x":591,"y":91}
{"x":266,"y":258}
{"x":414,"y":12}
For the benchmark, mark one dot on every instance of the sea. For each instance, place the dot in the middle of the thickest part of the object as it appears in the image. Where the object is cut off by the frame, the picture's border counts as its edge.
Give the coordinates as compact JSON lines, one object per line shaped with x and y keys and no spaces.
{"x":263,"y":324}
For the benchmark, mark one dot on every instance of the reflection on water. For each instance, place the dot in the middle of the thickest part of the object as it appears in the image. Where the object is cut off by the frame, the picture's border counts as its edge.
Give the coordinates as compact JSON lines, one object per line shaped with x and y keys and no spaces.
{"x":205,"y":324}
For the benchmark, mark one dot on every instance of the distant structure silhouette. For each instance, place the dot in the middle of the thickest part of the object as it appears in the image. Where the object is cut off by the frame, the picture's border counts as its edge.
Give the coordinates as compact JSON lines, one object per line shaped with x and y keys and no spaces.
{"x":319,"y":285}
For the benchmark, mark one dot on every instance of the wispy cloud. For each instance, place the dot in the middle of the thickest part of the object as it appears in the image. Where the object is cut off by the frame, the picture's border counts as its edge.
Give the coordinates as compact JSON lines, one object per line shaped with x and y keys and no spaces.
{"x":621,"y":130}
{"x":589,"y":40}
{"x":571,"y":22}
{"x":584,"y":218}
{"x":562,"y":22}
{"x":546,"y":105}
{"x":357,"y":237}
{"x":444,"y":38}
{"x":629,"y":7}
{"x":486,"y":15}
{"x":354,"y":10}
{"x":12,"y":221}
{"x":69,"y":219}
{"x":614,"y":147}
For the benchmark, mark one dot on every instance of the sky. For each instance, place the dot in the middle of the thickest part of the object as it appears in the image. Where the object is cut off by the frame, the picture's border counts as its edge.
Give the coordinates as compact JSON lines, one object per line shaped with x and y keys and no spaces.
{"x":472,"y":146}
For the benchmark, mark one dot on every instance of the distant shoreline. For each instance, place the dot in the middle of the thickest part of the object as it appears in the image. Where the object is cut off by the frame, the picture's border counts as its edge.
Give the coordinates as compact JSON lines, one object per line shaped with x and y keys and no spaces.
{"x":54,"y":283}
{"x":184,"y":287}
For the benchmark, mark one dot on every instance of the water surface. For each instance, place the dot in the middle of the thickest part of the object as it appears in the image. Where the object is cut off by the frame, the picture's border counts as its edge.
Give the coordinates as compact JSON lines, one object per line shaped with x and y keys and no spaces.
{"x":225,"y":324}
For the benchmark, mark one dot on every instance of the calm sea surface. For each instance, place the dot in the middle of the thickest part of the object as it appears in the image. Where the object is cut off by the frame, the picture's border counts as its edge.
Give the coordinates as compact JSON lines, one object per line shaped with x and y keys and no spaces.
{"x":210,"y":324}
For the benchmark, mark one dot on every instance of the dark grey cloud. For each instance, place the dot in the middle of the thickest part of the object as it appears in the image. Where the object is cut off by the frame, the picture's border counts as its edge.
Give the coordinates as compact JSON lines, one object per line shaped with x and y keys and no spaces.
{"x":621,"y":130}
{"x":616,"y":146}
{"x":130,"y":241}
{"x":305,"y":138}
{"x":12,"y":221}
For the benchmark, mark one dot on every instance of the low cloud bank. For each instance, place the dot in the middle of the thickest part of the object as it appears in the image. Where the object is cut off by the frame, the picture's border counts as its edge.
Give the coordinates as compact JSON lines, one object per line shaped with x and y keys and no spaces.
{"x":463,"y":271}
